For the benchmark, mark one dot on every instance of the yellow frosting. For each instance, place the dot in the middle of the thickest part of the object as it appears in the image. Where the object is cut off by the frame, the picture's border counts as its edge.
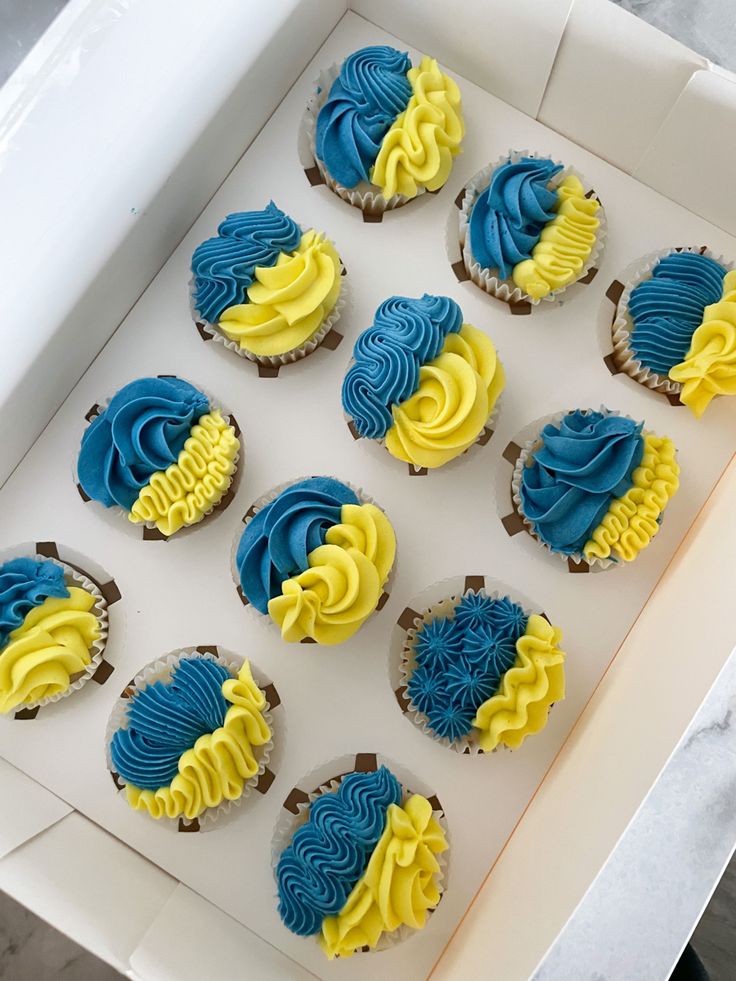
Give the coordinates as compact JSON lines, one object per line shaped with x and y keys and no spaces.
{"x":456,"y":395}
{"x":399,"y":885}
{"x":632,"y":520}
{"x":709,"y":367}
{"x":50,"y":646}
{"x":219,"y":764}
{"x":417,"y":150}
{"x":537,"y":679}
{"x":564,"y":245}
{"x":331,"y":599}
{"x":182,"y":494}
{"x":289,"y":302}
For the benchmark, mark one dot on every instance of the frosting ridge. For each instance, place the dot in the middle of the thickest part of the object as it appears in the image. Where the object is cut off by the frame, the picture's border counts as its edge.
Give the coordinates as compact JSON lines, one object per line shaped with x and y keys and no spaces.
{"x":24,"y":584}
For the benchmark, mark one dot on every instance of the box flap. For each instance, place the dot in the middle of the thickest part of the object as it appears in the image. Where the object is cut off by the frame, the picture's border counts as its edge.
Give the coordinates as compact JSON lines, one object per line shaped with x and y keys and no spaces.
{"x":34,"y":808}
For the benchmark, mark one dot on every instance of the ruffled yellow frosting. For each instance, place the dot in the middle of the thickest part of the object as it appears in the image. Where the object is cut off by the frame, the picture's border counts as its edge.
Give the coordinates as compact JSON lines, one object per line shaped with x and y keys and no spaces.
{"x":48,"y":649}
{"x":709,"y":368}
{"x":564,"y":245}
{"x":417,"y":150}
{"x":182,"y":494}
{"x":399,"y":885}
{"x":289,"y":302}
{"x":332,"y":599}
{"x":219,"y":764}
{"x":633,"y":520}
{"x":456,"y":395}
{"x":536,"y":680}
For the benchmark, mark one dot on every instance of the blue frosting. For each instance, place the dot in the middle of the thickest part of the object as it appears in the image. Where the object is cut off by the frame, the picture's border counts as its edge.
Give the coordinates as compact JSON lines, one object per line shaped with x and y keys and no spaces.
{"x":224,"y":266}
{"x":371,"y":90}
{"x":584,"y":463}
{"x":141,"y":431}
{"x":508,"y":217}
{"x":667,"y":309}
{"x":25,"y":584}
{"x":406,"y":333}
{"x":276,"y":542}
{"x":461,"y":660}
{"x":165,"y":720}
{"x":329,"y":853}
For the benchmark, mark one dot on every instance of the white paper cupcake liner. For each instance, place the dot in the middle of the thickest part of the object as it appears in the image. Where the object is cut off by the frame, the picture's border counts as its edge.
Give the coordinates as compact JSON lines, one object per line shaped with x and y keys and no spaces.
{"x":459,"y":231}
{"x":148,"y":529}
{"x":263,"y":618}
{"x":162,"y":670}
{"x":622,"y":327}
{"x":325,"y":779}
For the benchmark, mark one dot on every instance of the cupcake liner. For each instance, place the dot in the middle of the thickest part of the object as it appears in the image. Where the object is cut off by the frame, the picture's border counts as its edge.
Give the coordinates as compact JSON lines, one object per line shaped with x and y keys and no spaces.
{"x":364,"y":196}
{"x":147,"y":529}
{"x":505,"y":289}
{"x":162,"y":670}
{"x":208,"y":331}
{"x":326,"y":778}
{"x":440,"y":600}
{"x":264,"y":619}
{"x":73,"y":576}
{"x":622,"y":356}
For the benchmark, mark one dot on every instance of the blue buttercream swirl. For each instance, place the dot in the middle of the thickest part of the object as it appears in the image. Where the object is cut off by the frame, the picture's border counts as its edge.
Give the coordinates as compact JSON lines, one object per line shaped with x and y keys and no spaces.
{"x":667,"y":309}
{"x":461,"y":660}
{"x":508,"y":216}
{"x":165,"y":719}
{"x":585,"y":462}
{"x":24,"y":584}
{"x":224,"y":267}
{"x":371,"y":90}
{"x":276,"y":542}
{"x":327,"y":855}
{"x":406,"y":333}
{"x":141,"y":431}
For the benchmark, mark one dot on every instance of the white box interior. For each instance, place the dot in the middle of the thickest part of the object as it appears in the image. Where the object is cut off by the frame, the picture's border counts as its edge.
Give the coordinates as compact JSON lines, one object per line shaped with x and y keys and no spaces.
{"x":181,"y":593}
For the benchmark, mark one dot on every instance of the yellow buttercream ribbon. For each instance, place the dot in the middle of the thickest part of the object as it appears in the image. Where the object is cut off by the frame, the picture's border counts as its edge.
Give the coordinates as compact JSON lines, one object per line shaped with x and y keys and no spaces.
{"x":399,"y":886}
{"x":633,"y":520}
{"x":219,"y":764}
{"x":48,"y":649}
{"x":340,"y":589}
{"x":417,"y":150}
{"x":289,"y":301}
{"x":182,"y":494}
{"x":565,"y":244}
{"x":455,"y":397}
{"x":536,"y":680}
{"x":709,"y":367}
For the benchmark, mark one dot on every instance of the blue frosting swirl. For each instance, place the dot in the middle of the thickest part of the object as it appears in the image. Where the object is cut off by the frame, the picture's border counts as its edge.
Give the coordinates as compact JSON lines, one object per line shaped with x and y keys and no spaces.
{"x":508,"y":216}
{"x":276,"y":542}
{"x":667,"y":309}
{"x":24,"y":584}
{"x":406,"y":333}
{"x":141,"y":431}
{"x":329,"y":853}
{"x":461,"y":660}
{"x":224,"y":266}
{"x":585,"y":461}
{"x":165,"y":720}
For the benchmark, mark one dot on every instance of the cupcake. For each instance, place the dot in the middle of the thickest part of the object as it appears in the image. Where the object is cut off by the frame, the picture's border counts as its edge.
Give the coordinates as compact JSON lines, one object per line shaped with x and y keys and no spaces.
{"x":422,"y":382}
{"x":160,"y":452}
{"x":380,"y":132}
{"x":315,"y":557}
{"x":592,"y":486}
{"x":529,"y":228}
{"x":264,"y":288}
{"x":363,"y":863}
{"x":674,"y":329}
{"x":476,"y":670}
{"x":190,"y":736}
{"x":53,"y":629}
